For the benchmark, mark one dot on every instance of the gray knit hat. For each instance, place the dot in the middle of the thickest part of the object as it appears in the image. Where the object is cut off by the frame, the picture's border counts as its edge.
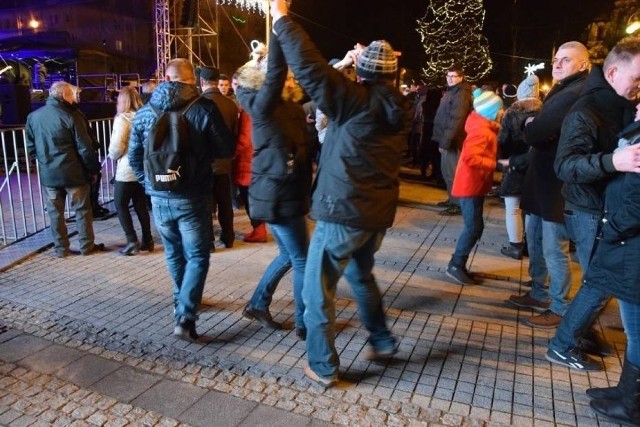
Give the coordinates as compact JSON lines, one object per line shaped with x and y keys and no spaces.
{"x":529,"y":88}
{"x":376,"y":61}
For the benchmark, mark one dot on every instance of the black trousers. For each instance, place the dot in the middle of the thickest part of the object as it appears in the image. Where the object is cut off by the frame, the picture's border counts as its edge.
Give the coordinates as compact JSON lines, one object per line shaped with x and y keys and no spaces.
{"x":222,"y":204}
{"x":123,"y":194}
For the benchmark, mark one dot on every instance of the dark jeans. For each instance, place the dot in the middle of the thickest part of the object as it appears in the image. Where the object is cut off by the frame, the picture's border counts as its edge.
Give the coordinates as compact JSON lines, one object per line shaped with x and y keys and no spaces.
{"x":448,"y":164}
{"x":223,"y":205}
{"x":125,"y":193}
{"x":244,"y":195}
{"x":95,"y":194}
{"x":472,"y":209}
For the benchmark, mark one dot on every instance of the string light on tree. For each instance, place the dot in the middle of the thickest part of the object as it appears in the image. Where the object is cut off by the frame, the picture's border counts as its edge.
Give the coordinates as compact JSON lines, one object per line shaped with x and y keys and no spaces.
{"x":451,"y":33}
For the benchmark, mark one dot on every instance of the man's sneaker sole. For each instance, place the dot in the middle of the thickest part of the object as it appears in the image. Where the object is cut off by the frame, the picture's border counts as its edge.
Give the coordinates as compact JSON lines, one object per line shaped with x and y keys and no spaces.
{"x":324,"y":382}
{"x":571,"y":364}
{"x":374,"y":355}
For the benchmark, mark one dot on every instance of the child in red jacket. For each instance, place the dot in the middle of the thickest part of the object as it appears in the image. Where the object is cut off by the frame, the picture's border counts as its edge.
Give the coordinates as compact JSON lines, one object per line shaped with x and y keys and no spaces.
{"x":474,"y":177}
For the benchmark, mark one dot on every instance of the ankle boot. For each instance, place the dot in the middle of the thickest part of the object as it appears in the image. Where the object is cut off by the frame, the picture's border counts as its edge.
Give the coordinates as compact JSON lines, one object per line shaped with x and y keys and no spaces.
{"x":130,"y":249}
{"x":625,"y":409}
{"x":147,"y":245}
{"x":611,"y":392}
{"x":514,"y":250}
{"x":259,"y":235}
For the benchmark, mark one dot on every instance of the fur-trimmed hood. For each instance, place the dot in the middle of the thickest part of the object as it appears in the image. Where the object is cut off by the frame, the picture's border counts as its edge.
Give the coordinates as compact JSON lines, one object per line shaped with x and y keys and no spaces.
{"x":252,"y":77}
{"x":527,"y":105}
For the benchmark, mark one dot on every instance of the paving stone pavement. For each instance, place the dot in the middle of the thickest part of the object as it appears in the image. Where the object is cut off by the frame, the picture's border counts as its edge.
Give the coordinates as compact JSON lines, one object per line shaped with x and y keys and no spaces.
{"x":88,"y":340}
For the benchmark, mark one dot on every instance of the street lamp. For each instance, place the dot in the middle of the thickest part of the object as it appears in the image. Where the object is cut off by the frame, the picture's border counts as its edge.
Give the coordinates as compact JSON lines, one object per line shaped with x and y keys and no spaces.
{"x":633,"y":24}
{"x":34,"y":23}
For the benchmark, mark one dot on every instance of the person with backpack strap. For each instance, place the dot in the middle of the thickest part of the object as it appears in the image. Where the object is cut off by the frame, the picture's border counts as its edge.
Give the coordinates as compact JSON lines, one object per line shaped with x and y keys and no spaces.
{"x":173,"y":140}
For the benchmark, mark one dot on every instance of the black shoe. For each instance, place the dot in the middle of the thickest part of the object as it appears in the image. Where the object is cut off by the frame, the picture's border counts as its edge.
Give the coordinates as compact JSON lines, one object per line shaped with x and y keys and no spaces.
{"x":573,"y":359}
{"x":131,"y":248}
{"x":452,"y":210}
{"x":227,"y":243}
{"x":264,"y":317}
{"x":514,"y":250}
{"x":444,"y":204}
{"x":97,"y":247}
{"x":147,"y":245}
{"x":460,"y":275}
{"x":186,"y":329}
{"x":301,"y":334}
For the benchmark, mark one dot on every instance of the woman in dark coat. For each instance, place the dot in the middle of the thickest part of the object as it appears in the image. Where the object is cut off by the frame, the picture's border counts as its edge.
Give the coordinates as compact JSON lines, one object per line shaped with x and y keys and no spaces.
{"x":614,"y":268}
{"x":280,"y":187}
{"x":514,"y":160}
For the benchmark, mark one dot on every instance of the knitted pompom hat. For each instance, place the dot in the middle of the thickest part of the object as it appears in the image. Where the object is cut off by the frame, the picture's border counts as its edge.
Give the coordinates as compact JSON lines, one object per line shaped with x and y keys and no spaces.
{"x":487,"y":104}
{"x":529,"y":88}
{"x":378,"y":60}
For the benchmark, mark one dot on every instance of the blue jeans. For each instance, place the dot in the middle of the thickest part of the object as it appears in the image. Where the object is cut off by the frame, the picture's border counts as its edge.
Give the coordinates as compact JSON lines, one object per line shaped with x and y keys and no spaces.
{"x":630,"y":315}
{"x":335,"y":250}
{"x":582,"y":228}
{"x":293,"y":241}
{"x":81,"y":205}
{"x":185,"y":228}
{"x":548,"y":246}
{"x":582,"y":311}
{"x":473,"y":226}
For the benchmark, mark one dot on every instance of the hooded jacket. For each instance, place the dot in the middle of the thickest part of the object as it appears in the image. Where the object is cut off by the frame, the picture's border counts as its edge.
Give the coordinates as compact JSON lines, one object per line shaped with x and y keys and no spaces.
{"x":357,"y":178}
{"x":589,"y":135}
{"x":208,"y":136}
{"x":542,"y":188}
{"x":59,"y":139}
{"x":119,"y":146}
{"x":281,"y":164}
{"x":451,"y":116}
{"x":474,"y":172}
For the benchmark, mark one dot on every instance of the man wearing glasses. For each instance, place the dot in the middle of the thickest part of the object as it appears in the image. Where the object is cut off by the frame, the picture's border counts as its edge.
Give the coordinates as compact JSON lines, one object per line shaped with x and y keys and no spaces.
{"x":448,"y":131}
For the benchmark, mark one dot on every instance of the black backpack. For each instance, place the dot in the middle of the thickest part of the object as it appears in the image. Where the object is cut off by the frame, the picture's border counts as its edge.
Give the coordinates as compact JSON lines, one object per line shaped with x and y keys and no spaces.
{"x":168,"y":162}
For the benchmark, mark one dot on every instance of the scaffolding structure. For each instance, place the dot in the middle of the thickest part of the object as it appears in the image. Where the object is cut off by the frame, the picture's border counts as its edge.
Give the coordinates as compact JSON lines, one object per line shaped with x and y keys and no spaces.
{"x":195,"y":42}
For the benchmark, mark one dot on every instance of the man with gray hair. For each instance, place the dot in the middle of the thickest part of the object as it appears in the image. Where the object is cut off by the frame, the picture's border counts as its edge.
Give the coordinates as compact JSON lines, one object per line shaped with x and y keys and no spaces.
{"x":59,"y":139}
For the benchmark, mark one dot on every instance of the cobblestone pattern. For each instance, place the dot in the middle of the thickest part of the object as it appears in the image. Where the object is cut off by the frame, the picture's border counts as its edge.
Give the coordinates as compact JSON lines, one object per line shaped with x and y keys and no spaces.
{"x":68,"y":405}
{"x":29,"y":398}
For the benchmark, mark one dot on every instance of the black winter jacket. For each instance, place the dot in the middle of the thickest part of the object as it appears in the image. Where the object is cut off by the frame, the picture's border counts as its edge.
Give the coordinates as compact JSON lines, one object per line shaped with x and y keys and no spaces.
{"x":58,"y":137}
{"x":452,"y":113}
{"x":541,"y":195}
{"x":512,"y":146}
{"x":208,"y":135}
{"x":281,"y":167}
{"x":357,"y":180}
{"x":614,"y":267}
{"x":589,"y":136}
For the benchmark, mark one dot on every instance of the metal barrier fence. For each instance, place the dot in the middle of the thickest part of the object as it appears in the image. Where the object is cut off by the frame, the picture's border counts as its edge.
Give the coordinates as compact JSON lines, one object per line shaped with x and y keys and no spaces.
{"x":22,"y":205}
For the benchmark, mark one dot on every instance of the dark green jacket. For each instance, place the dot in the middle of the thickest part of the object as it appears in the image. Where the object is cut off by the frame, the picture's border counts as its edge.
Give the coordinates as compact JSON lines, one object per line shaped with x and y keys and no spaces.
{"x":59,"y":139}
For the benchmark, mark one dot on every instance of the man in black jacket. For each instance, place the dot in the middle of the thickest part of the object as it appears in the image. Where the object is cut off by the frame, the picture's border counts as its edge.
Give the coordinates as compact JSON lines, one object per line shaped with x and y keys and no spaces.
{"x":183,"y":217}
{"x":222,"y":164}
{"x":542,"y":200}
{"x":59,"y":139}
{"x":586,"y":161}
{"x":356,"y":188}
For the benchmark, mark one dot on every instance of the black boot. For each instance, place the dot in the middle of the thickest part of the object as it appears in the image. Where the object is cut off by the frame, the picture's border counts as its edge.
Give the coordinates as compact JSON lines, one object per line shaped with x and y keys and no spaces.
{"x":626,"y":409}
{"x":611,"y":392}
{"x":514,"y":250}
{"x":132,"y":248}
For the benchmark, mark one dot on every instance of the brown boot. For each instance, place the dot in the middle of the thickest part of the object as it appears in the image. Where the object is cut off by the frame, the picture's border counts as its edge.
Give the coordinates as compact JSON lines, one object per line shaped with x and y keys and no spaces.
{"x":259,"y":235}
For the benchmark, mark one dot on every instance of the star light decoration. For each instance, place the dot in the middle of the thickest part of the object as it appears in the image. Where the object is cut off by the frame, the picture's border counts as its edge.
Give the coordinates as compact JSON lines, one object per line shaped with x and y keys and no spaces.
{"x":530,"y":69}
{"x":451,"y":33}
{"x":250,"y":5}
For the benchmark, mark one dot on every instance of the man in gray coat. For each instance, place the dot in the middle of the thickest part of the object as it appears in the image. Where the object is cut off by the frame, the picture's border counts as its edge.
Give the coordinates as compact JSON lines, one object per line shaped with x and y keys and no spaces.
{"x":59,"y":139}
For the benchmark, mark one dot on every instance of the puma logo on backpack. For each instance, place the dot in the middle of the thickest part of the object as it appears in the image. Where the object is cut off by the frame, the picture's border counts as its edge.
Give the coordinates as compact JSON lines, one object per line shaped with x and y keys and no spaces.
{"x":168,"y":162}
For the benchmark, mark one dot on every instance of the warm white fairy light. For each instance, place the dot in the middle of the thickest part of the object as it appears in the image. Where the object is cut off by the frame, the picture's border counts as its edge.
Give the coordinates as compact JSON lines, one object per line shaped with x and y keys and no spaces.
{"x":451,"y":32}
{"x":251,"y":5}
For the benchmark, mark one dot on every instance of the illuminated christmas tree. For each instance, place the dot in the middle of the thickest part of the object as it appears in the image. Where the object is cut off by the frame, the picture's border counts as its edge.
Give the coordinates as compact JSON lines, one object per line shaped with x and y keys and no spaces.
{"x":451,"y":32}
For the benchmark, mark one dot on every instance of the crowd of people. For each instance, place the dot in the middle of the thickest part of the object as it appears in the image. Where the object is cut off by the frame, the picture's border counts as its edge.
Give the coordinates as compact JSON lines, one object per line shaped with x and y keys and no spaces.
{"x":569,"y":167}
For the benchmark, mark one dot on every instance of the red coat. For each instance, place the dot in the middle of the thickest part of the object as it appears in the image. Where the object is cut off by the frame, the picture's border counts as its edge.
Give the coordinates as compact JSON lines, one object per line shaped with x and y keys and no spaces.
{"x":474,"y":173}
{"x":244,"y":152}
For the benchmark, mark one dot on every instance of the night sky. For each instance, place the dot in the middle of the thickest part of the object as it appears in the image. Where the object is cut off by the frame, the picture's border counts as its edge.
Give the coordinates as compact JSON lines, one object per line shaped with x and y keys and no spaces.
{"x":335,"y":26}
